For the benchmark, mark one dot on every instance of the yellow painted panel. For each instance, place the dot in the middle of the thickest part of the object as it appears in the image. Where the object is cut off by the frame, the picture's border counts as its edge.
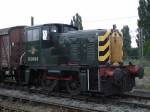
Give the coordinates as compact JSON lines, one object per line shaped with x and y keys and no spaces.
{"x":102,"y":48}
{"x":103,"y":58}
{"x":102,"y":38}
{"x":116,"y":44}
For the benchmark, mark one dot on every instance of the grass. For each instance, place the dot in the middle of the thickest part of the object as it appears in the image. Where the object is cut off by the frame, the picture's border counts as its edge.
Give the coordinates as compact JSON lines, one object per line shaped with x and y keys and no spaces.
{"x":144,"y":83}
{"x":147,"y":71}
{"x":143,"y":62}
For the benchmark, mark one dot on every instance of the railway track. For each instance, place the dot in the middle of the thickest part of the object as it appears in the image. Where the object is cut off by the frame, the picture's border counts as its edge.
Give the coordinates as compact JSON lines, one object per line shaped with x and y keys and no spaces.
{"x":136,"y":98}
{"x":5,"y":108}
{"x":133,"y":100}
{"x":52,"y":102}
{"x":138,"y":93}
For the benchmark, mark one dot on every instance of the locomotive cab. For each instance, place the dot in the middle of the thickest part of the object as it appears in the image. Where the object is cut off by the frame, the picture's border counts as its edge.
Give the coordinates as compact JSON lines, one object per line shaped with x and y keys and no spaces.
{"x":42,"y":43}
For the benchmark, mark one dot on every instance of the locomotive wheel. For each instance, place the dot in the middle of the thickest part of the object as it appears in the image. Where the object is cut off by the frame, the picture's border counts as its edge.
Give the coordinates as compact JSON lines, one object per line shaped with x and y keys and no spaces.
{"x":73,"y":87}
{"x":49,"y":85}
{"x":118,"y":77}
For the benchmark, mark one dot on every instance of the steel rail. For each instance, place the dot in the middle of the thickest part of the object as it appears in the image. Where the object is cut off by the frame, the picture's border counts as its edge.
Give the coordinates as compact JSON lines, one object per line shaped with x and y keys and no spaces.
{"x":121,"y":100}
{"x":5,"y":108}
{"x":50,"y":104}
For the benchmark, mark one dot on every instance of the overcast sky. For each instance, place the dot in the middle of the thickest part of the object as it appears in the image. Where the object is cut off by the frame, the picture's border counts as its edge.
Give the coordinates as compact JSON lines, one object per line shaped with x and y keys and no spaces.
{"x":95,"y":14}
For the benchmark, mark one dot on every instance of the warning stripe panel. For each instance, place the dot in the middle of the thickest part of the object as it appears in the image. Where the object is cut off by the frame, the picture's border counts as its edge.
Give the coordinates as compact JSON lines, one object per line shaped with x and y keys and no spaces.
{"x":102,"y":53}
{"x":101,"y":43}
{"x":104,"y":62}
{"x":102,"y":48}
{"x":103,"y":58}
{"x":102,"y":38}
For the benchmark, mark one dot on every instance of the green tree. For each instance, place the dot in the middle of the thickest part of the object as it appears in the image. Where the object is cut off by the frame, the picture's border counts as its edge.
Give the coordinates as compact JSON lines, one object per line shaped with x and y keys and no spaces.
{"x":144,"y":24}
{"x":146,"y":48}
{"x":77,"y":21}
{"x":134,"y":53}
{"x":126,"y":40}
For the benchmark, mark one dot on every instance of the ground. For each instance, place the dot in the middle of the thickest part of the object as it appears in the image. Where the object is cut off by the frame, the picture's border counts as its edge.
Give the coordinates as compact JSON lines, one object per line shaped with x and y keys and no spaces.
{"x":145,"y":82}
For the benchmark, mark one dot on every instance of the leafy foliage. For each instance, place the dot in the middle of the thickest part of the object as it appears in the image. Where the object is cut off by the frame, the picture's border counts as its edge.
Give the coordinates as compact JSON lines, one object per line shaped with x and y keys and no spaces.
{"x":126,"y":41}
{"x":147,"y":48}
{"x":134,"y":53}
{"x":144,"y":24}
{"x":77,"y":21}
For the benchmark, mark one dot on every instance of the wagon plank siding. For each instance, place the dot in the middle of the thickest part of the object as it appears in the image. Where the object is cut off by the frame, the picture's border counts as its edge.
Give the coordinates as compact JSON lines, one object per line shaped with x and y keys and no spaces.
{"x":11,"y":46}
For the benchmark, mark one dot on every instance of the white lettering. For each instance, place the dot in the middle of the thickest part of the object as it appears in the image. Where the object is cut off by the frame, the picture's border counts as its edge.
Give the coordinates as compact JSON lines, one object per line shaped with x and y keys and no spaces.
{"x":33,"y":58}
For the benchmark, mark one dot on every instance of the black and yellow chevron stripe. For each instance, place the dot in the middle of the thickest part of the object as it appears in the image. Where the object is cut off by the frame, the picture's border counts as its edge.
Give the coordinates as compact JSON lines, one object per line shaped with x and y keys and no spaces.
{"x":103,"y":47}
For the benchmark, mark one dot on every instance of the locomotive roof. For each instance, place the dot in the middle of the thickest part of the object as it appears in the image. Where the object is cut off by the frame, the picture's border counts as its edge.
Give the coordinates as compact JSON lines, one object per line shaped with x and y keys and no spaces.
{"x":87,"y":31}
{"x":90,"y":32}
{"x":50,"y":24}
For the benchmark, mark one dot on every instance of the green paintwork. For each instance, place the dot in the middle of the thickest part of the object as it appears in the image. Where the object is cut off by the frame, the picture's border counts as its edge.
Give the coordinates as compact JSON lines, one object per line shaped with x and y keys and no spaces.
{"x":75,"y":47}
{"x":33,"y":53}
{"x":82,"y":47}
{"x":83,"y":80}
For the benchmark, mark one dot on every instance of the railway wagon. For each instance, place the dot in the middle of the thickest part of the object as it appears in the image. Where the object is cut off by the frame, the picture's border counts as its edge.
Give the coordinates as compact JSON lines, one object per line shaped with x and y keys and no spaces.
{"x":11,"y":49}
{"x":59,"y":56}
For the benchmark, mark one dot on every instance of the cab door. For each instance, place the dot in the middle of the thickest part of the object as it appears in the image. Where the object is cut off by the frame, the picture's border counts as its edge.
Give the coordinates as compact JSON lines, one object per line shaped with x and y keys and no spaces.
{"x":49,"y":50}
{"x":93,"y":79}
{"x":33,"y":46}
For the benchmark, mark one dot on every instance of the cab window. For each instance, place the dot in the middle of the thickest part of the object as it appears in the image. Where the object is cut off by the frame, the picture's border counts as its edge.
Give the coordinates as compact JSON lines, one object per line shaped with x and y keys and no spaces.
{"x":68,"y":28}
{"x":46,"y":41}
{"x":45,"y":35}
{"x":54,"y":29}
{"x":33,"y":34}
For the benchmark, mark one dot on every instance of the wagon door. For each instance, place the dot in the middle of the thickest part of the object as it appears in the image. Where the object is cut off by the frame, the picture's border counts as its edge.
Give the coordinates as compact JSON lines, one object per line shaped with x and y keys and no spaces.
{"x":4,"y":48}
{"x":17,"y":46}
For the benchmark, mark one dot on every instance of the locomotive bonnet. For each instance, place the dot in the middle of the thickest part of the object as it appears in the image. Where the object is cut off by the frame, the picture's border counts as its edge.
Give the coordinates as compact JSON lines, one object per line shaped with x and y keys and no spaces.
{"x":55,"y":55}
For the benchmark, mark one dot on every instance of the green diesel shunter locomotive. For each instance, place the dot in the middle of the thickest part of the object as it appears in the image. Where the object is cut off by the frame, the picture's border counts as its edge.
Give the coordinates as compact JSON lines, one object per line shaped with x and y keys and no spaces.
{"x":60,"y":56}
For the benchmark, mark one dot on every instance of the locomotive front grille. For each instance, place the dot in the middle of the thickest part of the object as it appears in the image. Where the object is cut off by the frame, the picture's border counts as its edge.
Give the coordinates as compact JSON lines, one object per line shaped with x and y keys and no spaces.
{"x":75,"y":52}
{"x":91,"y":52}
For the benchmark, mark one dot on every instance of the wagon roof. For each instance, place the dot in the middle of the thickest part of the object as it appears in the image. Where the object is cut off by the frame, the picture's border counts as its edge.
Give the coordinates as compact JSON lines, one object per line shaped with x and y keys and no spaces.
{"x":5,"y":31}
